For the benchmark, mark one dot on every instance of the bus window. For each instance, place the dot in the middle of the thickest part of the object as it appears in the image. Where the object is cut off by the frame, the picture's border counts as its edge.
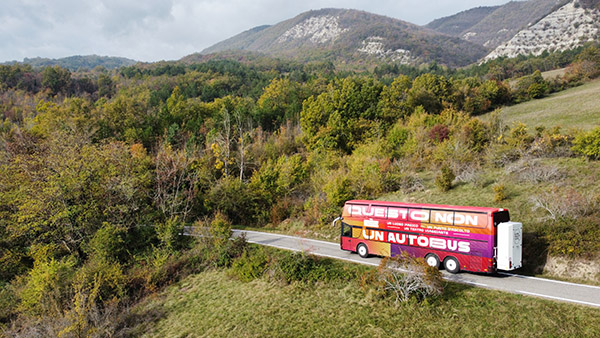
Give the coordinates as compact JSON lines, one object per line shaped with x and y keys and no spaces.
{"x":346,"y":230}
{"x":500,"y":217}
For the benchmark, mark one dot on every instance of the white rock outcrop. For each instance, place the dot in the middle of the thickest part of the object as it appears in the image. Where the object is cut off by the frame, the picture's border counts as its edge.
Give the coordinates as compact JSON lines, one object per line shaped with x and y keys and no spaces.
{"x":374,"y":45}
{"x":566,"y":28}
{"x":319,"y":29}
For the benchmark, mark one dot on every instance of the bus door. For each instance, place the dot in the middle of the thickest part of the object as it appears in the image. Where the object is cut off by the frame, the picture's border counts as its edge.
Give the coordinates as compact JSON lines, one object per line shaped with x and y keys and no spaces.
{"x":346,"y":237}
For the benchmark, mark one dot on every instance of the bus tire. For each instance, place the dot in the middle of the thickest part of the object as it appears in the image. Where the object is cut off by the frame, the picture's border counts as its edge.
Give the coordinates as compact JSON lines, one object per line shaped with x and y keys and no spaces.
{"x":451,"y":265}
{"x":432,"y":260}
{"x":362,"y":250}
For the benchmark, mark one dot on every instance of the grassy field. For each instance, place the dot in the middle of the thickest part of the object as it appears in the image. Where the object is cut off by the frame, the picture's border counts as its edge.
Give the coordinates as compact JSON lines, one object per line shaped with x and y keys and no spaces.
{"x":217,"y":305}
{"x":577,"y":107}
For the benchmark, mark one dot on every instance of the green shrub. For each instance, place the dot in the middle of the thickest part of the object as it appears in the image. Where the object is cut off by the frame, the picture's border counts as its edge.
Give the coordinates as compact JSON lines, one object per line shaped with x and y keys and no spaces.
{"x":444,"y":179}
{"x":588,"y":144}
{"x":295,"y":267}
{"x":47,"y":287}
{"x":220,"y":229}
{"x":575,"y":237}
{"x":499,"y":192}
{"x":250,"y":265}
{"x":108,"y":243}
{"x":475,"y":134}
{"x":105,"y":276}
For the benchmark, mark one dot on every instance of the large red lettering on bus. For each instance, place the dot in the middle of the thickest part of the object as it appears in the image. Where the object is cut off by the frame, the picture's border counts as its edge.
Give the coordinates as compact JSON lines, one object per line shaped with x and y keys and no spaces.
{"x":417,"y":240}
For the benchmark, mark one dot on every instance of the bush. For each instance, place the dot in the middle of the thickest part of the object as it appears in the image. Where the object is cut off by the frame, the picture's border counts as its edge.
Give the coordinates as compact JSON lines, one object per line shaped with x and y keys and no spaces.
{"x":108,"y":243}
{"x":47,"y":287}
{"x":575,"y":237}
{"x":439,"y":133}
{"x":499,"y":192}
{"x":168,"y":233}
{"x":588,"y":144}
{"x":404,"y":277}
{"x":307,"y":268}
{"x":220,"y":229}
{"x":250,"y":265}
{"x":563,"y":202}
{"x":534,"y":171}
{"x":295,"y":267}
{"x":444,"y":179}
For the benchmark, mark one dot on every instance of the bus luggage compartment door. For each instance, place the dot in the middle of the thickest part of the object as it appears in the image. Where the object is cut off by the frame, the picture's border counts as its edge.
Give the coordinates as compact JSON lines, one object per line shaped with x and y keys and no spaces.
{"x":510,"y":245}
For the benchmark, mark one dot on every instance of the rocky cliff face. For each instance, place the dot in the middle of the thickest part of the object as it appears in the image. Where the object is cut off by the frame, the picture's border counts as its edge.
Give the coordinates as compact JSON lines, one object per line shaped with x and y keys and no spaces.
{"x":318,"y":29}
{"x":570,"y":26}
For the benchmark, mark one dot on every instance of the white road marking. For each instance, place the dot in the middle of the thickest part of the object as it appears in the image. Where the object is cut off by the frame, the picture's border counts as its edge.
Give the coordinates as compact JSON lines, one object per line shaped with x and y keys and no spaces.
{"x":548,"y":280}
{"x":558,"y":298}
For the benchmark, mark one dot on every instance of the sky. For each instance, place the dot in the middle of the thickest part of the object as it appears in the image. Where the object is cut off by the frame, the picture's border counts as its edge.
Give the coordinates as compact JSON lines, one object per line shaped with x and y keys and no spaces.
{"x":154,"y":30}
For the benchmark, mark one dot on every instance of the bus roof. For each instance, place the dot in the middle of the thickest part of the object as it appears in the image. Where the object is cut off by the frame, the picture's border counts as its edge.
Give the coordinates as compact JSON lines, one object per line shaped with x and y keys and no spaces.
{"x":426,"y":206}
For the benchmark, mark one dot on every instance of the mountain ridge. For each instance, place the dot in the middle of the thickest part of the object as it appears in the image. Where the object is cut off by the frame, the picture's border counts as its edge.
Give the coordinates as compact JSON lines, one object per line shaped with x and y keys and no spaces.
{"x":352,"y":36}
{"x":77,"y":62}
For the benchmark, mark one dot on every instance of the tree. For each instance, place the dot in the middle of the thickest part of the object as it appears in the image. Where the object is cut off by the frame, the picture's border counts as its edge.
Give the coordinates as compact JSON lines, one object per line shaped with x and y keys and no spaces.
{"x":280,"y":101}
{"x":106,"y":86}
{"x":56,"y":79}
{"x":343,"y":116}
{"x":431,"y":92}
{"x":392,"y":102}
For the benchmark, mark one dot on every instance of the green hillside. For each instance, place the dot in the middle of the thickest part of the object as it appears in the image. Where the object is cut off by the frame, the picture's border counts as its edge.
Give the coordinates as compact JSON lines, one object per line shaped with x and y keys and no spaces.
{"x":577,"y":107}
{"x":458,"y":23}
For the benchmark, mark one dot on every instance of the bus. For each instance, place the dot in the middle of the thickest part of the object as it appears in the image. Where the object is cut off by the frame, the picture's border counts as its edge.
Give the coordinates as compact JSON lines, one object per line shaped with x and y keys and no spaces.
{"x":457,"y":238}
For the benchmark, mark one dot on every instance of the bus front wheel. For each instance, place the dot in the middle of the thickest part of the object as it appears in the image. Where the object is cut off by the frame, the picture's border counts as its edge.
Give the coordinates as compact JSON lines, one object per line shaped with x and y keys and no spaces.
{"x":451,"y":264}
{"x":432,"y":260}
{"x":362,"y":250}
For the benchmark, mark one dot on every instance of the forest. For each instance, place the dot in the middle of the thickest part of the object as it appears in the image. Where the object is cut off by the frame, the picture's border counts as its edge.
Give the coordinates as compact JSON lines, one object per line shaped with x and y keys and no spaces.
{"x":100,"y":171}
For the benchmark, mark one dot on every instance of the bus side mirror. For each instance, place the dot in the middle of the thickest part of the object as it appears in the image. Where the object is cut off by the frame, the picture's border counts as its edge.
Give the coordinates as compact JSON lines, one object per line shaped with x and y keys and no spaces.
{"x":335,"y":220}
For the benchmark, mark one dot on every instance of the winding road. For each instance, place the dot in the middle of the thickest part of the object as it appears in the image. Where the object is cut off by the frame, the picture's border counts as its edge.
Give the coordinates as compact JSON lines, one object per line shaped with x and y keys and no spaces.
{"x":582,"y":294}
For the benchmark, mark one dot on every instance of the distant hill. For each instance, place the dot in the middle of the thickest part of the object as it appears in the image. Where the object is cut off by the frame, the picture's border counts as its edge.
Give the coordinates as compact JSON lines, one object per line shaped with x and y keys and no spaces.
{"x":499,"y":25}
{"x":457,"y":24}
{"x":352,"y":37}
{"x":80,"y":62}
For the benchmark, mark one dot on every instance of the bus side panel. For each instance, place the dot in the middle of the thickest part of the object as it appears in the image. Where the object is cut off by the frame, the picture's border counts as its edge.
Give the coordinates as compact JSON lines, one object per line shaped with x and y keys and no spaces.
{"x":375,"y":248}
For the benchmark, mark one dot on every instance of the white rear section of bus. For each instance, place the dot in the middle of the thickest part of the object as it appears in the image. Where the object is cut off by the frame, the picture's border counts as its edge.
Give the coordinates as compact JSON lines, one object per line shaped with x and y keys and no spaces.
{"x":510,"y":246}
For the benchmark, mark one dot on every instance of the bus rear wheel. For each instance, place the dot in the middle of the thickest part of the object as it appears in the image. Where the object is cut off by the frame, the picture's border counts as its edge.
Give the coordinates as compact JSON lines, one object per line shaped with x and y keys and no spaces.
{"x":362,"y":250}
{"x":432,"y":260}
{"x":451,"y":265}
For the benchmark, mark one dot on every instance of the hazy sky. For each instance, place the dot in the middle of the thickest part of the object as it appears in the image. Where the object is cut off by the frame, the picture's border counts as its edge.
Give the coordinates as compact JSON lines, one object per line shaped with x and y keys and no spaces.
{"x":153,"y":30}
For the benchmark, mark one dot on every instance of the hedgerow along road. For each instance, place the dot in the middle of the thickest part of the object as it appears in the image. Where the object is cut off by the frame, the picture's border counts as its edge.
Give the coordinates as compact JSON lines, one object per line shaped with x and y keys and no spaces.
{"x":581,"y":294}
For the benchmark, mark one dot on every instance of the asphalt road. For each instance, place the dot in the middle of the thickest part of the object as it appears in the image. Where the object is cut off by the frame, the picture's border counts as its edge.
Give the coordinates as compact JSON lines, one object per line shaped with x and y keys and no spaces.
{"x":525,"y":285}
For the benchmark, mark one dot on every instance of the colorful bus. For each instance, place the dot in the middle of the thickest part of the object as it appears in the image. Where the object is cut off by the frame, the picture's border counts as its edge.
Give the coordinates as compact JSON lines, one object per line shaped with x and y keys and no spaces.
{"x":475,"y":239}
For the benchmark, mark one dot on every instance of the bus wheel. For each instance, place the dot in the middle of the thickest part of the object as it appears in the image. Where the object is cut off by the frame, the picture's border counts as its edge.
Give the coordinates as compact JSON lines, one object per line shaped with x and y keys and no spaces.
{"x":451,"y":265}
{"x":362,"y":250}
{"x":432,"y":260}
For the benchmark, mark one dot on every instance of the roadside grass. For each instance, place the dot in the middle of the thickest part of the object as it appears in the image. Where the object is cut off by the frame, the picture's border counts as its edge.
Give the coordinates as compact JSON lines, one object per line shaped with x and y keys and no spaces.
{"x":577,"y":107}
{"x":214,"y":304}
